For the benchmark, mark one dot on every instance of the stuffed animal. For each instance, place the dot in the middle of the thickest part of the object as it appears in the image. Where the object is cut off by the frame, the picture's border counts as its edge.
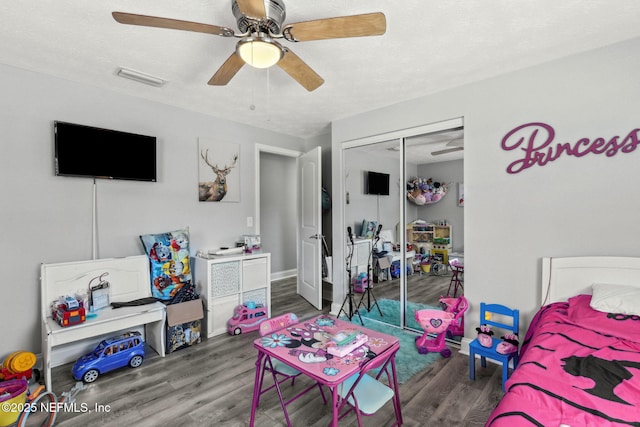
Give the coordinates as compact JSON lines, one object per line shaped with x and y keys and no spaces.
{"x":425,"y":190}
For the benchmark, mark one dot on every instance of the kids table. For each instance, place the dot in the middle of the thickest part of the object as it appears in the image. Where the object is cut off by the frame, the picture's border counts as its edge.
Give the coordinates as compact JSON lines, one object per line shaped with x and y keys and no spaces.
{"x":303,"y":346}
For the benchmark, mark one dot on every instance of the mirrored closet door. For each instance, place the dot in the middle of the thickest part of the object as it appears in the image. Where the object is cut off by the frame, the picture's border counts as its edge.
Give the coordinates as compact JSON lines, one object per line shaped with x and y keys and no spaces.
{"x":374,"y":190}
{"x":421,"y":214}
{"x":434,"y":218}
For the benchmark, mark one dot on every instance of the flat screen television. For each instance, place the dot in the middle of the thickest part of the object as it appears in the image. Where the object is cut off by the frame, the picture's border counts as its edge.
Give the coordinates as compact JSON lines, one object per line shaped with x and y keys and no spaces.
{"x":85,"y":151}
{"x":378,"y":183}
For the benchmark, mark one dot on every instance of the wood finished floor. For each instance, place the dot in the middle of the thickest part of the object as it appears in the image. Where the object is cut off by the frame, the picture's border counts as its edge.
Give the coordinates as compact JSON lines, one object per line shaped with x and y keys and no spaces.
{"x":211,"y":384}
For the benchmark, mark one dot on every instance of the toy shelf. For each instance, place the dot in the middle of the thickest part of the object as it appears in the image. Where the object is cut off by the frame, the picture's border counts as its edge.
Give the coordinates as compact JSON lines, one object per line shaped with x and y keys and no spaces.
{"x":230,"y":280}
{"x":429,"y":236}
{"x":129,"y":278}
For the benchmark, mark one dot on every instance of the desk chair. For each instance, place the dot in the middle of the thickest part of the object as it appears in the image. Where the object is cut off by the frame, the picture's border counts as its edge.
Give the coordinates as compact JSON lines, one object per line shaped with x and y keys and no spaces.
{"x":456,"y":279}
{"x":503,"y":318}
{"x":366,"y":394}
{"x":280,"y":371}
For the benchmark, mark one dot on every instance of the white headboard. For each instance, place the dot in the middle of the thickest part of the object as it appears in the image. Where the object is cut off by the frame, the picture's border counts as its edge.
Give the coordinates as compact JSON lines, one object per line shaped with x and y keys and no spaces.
{"x":128,"y":278}
{"x":565,"y":277}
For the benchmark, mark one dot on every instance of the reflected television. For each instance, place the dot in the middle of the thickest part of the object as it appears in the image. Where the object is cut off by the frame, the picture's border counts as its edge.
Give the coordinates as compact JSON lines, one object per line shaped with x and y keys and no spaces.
{"x":377,"y":183}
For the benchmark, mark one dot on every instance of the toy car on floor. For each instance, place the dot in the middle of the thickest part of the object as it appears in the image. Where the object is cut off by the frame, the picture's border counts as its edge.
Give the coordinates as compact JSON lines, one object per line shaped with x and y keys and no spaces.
{"x":246,"y":317}
{"x":112,"y":353}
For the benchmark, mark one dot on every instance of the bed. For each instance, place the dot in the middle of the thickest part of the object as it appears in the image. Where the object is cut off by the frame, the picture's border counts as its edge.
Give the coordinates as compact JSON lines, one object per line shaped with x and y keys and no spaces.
{"x":579,"y":366}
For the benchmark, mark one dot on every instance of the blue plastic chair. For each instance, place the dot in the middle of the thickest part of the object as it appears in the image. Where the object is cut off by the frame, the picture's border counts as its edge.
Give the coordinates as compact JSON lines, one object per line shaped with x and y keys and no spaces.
{"x":503,"y":318}
{"x":366,"y":394}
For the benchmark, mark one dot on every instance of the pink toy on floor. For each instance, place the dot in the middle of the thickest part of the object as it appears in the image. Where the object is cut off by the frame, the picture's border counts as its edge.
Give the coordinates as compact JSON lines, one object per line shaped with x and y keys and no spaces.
{"x":457,"y":306}
{"x":433,"y":322}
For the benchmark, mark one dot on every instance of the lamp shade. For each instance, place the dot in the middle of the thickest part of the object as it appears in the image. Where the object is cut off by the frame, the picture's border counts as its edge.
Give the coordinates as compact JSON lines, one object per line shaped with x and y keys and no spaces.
{"x":259,"y":52}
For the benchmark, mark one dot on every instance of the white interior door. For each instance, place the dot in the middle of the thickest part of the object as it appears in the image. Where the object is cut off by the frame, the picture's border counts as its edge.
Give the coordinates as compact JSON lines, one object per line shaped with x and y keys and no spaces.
{"x":310,"y":228}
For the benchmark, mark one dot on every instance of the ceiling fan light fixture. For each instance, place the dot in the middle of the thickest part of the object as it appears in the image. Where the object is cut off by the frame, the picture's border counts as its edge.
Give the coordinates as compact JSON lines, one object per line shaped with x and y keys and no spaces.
{"x":259,"y":52}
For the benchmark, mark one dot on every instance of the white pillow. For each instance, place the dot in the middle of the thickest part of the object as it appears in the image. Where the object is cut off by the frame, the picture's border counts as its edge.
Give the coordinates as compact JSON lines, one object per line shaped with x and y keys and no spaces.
{"x":611,"y":298}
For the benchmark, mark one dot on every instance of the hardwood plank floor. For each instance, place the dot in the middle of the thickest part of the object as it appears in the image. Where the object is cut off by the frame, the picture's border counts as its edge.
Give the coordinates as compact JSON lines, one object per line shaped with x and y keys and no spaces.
{"x":211,"y":384}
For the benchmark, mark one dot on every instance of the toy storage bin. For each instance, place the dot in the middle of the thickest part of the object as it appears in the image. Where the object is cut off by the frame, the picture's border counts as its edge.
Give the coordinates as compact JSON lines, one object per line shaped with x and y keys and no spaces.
{"x":360,"y":283}
{"x":13,"y":394}
{"x":395,"y":269}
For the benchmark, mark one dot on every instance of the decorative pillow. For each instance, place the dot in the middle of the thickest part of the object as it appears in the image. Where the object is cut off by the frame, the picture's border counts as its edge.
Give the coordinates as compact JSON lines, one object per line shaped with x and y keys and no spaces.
{"x":169,"y":261}
{"x":611,"y":298}
{"x":620,"y":325}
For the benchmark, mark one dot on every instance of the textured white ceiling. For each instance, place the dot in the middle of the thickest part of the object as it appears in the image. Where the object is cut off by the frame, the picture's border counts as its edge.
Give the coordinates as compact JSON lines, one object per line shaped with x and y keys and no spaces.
{"x":429,"y":46}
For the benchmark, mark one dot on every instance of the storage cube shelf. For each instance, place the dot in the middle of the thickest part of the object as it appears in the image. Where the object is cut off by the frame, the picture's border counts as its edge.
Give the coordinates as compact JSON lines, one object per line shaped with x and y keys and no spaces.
{"x":230,"y":280}
{"x":429,"y":236}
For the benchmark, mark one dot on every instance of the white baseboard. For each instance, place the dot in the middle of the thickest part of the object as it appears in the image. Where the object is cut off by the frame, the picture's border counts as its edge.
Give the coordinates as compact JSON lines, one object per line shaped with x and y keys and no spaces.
{"x":464,"y":345}
{"x":335,"y":307}
{"x":283,"y":274}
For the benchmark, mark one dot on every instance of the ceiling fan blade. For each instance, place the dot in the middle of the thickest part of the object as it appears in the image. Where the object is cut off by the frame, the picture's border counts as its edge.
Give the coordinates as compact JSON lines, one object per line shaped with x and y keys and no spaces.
{"x":226,"y":72}
{"x":301,"y":72}
{"x":252,"y":8}
{"x":447,"y":150}
{"x":173,"y":24}
{"x":368,"y":24}
{"x":456,"y":142}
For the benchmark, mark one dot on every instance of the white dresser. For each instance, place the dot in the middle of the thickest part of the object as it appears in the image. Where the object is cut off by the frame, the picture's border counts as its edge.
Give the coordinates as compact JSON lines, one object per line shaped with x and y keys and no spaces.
{"x":229,"y":280}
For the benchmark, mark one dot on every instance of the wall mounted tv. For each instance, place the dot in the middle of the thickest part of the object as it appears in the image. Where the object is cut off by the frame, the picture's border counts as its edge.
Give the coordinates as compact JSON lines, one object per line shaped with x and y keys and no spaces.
{"x":377,"y":183}
{"x":91,"y":152}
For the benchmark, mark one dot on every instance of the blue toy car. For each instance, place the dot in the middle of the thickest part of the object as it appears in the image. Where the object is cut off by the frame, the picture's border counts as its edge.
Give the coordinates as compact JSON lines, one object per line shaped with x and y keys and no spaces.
{"x":112,"y":353}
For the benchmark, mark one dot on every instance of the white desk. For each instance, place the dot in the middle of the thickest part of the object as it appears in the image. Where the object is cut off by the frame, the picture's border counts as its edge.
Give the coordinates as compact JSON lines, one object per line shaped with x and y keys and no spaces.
{"x":129,"y":280}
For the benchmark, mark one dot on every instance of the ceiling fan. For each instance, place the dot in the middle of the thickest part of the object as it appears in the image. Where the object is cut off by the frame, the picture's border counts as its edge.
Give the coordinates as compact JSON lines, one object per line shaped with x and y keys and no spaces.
{"x":261,"y":26}
{"x":456,"y":144}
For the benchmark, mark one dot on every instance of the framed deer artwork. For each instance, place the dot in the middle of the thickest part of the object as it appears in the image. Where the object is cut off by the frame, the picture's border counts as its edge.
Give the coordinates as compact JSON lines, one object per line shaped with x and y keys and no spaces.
{"x":218,"y":171}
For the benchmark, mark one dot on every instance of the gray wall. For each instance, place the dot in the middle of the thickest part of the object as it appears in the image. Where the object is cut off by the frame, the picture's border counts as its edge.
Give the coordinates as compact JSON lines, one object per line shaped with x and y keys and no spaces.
{"x":570,"y":207}
{"x":383,"y":209}
{"x":47,"y":219}
{"x":278,"y":214}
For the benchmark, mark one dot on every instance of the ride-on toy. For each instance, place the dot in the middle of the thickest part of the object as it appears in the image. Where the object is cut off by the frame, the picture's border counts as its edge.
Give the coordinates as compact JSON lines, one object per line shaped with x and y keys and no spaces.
{"x":112,"y":353}
{"x":457,"y":306}
{"x":433,"y":322}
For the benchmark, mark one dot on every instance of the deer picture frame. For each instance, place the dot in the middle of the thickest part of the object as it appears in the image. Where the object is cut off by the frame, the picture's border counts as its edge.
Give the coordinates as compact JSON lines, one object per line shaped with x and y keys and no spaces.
{"x":218,"y":171}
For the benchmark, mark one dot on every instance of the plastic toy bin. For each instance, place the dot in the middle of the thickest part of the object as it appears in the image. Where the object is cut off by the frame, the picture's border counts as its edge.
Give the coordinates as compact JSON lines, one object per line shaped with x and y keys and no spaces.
{"x":13,"y":393}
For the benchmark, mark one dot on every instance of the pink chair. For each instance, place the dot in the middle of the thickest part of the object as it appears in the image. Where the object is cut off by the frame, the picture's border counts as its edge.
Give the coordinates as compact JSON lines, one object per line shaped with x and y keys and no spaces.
{"x":281,"y":372}
{"x":457,"y":306}
{"x":366,"y":394}
{"x":457,"y":268}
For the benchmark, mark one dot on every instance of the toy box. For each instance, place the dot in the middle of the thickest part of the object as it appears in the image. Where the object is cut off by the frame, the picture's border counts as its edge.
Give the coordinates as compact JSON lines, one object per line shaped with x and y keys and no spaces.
{"x":184,"y":324}
{"x":395,"y":269}
{"x":360,"y":283}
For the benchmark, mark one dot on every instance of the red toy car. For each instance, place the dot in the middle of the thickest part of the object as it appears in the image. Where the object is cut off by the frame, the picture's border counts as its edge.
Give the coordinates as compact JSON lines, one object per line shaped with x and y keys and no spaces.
{"x":70,"y":312}
{"x":246,"y":317}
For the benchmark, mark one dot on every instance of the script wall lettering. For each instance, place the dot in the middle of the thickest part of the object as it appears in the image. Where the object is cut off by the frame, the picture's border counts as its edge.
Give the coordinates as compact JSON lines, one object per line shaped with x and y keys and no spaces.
{"x":535,"y":143}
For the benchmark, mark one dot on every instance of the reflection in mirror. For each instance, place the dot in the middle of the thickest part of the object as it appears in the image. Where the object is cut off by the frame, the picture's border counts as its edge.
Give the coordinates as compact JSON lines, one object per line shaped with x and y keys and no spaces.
{"x":432,"y":226}
{"x":374,"y":189}
{"x":434,"y":217}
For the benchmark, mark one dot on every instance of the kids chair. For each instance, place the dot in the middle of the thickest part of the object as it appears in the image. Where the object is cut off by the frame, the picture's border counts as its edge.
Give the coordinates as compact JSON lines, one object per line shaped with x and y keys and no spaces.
{"x":457,"y":270}
{"x":366,"y":394}
{"x":280,"y":371}
{"x":503,"y":318}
